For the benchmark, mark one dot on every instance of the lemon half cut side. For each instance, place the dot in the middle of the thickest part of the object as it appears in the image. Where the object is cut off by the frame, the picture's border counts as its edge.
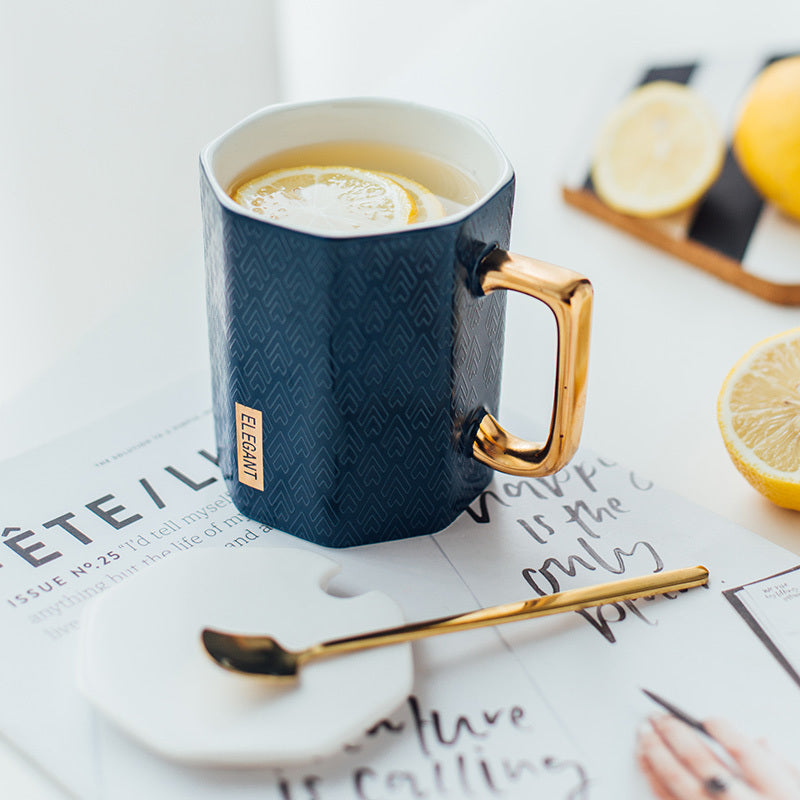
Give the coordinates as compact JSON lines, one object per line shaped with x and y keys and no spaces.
{"x":658,"y":152}
{"x":758,"y":412}
{"x":324,"y":199}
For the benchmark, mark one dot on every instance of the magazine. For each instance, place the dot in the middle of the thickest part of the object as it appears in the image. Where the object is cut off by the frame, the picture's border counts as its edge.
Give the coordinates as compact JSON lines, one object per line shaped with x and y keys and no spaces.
{"x":550,"y":708}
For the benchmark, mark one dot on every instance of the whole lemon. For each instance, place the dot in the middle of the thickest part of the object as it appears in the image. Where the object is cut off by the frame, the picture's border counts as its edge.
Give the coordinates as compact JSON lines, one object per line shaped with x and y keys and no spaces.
{"x":766,"y":141}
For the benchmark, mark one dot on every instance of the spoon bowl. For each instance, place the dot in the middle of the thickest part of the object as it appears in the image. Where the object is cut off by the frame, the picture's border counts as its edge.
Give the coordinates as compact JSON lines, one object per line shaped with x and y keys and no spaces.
{"x":253,"y":655}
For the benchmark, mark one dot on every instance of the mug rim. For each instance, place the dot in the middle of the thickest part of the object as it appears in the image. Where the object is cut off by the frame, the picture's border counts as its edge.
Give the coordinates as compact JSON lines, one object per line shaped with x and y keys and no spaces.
{"x":505,"y":173}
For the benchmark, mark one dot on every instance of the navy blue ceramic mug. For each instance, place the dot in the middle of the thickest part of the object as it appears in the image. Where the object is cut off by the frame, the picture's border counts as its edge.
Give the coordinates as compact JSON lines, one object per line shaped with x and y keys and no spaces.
{"x":356,"y":377}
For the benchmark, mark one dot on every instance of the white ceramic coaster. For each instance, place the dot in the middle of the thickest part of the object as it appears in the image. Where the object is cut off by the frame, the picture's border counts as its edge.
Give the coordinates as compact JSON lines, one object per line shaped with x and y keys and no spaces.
{"x":142,"y":663}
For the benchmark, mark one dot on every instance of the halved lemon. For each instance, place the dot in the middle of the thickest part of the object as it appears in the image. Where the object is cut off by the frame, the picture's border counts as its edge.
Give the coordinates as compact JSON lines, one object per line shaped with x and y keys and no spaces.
{"x":658,"y":152}
{"x":336,"y":198}
{"x":758,"y":412}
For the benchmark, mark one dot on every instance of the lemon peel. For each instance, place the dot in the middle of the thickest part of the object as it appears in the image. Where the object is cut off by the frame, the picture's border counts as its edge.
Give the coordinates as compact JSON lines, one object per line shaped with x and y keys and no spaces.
{"x":766,"y":140}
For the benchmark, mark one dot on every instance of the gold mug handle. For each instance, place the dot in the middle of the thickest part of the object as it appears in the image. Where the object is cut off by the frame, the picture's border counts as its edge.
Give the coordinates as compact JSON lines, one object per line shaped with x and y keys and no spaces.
{"x":569,"y":297}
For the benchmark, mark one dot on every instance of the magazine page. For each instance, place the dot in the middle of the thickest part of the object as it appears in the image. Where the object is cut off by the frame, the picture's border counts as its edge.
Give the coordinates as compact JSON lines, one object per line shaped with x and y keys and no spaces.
{"x":769,"y":607}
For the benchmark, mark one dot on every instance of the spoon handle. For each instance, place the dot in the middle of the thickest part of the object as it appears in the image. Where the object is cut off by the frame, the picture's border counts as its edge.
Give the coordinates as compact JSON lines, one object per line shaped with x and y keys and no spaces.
{"x":558,"y":603}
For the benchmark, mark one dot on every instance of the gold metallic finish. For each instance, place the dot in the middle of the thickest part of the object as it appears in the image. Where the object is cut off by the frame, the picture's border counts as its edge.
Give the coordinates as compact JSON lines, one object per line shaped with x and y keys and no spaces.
{"x":262,"y":655}
{"x":569,"y":297}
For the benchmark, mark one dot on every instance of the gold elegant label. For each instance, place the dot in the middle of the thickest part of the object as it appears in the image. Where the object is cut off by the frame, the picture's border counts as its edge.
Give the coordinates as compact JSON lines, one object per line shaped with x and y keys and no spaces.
{"x":249,"y":447}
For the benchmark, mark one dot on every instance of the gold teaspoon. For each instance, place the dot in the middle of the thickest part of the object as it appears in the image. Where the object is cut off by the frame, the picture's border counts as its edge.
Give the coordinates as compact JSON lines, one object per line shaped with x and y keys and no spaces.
{"x":262,"y":655}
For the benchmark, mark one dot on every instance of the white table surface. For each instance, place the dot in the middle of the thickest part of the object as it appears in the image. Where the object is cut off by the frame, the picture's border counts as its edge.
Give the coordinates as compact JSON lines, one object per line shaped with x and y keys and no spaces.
{"x":664,"y":336}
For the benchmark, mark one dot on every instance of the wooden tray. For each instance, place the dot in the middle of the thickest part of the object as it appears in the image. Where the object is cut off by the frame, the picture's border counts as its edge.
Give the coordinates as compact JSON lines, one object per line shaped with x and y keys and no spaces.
{"x":731,"y":233}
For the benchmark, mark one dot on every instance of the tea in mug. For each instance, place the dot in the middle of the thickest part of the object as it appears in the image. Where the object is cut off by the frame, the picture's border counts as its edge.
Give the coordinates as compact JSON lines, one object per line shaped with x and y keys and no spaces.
{"x":353,"y":186}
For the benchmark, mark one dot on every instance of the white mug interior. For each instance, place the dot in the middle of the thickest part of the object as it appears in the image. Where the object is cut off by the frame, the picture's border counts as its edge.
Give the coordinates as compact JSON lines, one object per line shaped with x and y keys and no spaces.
{"x":449,"y":137}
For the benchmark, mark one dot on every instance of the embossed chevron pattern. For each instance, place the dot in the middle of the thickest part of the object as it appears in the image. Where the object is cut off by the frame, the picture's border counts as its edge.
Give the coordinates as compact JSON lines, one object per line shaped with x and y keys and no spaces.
{"x":369,"y":358}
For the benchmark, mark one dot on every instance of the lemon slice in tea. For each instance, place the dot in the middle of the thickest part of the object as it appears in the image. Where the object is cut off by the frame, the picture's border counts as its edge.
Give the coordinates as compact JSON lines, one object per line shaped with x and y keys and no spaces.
{"x":658,"y":152}
{"x":328,"y":199}
{"x":758,"y":412}
{"x":427,"y":204}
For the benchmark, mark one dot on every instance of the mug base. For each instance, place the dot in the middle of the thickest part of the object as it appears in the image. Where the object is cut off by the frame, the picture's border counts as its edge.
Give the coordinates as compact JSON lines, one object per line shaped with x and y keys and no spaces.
{"x":320,"y":524}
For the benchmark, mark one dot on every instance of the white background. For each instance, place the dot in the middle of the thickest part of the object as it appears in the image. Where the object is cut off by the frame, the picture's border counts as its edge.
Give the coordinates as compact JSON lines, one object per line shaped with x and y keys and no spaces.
{"x":105,"y":107}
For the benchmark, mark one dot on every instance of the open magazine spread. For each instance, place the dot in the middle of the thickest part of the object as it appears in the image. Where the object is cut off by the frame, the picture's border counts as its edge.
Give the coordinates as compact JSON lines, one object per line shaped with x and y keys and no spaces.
{"x":547,"y":708}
